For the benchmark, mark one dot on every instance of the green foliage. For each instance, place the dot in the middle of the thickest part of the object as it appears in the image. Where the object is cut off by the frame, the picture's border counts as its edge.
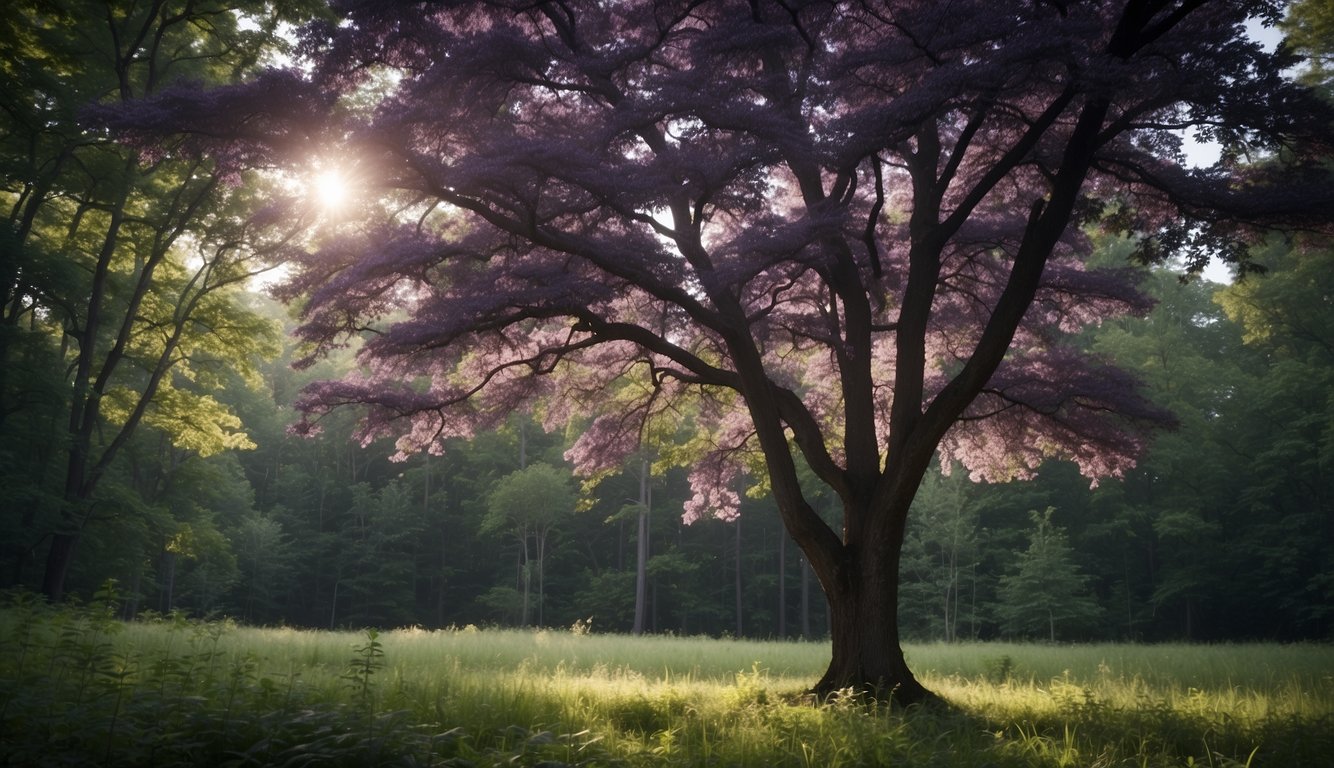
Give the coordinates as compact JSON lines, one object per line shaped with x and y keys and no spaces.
{"x":262,"y":549}
{"x":366,"y":661}
{"x":939,"y":566}
{"x":1309,"y":27}
{"x":529,"y":505}
{"x":1046,"y":591}
{"x":536,"y":497}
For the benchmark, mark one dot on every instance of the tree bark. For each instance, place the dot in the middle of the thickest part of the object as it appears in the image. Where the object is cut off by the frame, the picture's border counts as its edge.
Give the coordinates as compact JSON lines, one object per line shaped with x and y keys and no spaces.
{"x":867,"y":655}
{"x":864,"y":660}
{"x":542,"y":577}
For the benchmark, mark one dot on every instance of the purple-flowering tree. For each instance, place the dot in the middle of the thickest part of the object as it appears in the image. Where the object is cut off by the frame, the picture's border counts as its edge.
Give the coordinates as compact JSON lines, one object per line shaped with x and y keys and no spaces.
{"x":844,"y":235}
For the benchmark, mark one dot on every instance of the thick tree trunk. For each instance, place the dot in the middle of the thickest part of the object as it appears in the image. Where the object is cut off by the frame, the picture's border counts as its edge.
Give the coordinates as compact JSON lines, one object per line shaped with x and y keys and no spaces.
{"x":867,"y":657}
{"x":861,"y":585}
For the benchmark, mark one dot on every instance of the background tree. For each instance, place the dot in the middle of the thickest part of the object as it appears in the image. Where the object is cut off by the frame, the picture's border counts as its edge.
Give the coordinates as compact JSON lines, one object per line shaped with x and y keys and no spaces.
{"x":261,"y":546}
{"x":1287,"y":445}
{"x":641,"y":509}
{"x":839,"y":232}
{"x":131,"y":261}
{"x":1193,"y":363}
{"x":1046,"y":589}
{"x":940,"y":562}
{"x":529,"y":505}
{"x":1309,"y":27}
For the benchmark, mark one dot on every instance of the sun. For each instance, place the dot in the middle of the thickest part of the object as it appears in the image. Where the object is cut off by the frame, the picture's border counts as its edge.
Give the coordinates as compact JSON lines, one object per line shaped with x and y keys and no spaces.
{"x":330,"y":188}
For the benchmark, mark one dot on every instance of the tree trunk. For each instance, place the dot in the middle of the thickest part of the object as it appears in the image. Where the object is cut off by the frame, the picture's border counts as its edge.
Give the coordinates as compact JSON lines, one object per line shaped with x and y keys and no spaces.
{"x":525,"y":579}
{"x":736,"y":564}
{"x":642,"y":551}
{"x":861,"y":585}
{"x":867,"y":656}
{"x":168,"y":596}
{"x":333,"y":610}
{"x":805,"y":600}
{"x":542,"y":577}
{"x":862,"y":588}
{"x":58,"y":558}
{"x":782,"y":584}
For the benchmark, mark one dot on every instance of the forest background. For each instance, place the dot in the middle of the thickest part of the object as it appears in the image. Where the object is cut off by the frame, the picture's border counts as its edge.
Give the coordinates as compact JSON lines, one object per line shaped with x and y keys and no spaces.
{"x":116,"y":284}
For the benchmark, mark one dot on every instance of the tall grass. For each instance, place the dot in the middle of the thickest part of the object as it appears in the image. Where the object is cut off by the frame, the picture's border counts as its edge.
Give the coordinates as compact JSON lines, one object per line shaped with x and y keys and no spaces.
{"x":78,"y":687}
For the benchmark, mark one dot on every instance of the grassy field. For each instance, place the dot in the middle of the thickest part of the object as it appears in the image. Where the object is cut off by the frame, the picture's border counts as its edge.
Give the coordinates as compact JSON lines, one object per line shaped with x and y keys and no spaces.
{"x":79,"y":688}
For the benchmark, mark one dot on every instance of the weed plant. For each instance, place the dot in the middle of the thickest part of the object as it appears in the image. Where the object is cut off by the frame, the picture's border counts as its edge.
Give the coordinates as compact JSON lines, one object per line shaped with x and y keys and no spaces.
{"x":78,"y":687}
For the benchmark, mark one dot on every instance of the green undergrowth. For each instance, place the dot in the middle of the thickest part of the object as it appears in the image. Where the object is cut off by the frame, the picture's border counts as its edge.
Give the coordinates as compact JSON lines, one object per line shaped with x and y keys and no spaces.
{"x":78,"y":687}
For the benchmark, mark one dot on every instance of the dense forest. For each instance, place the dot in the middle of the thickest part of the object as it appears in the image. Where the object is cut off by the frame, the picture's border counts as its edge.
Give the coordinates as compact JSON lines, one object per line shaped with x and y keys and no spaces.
{"x":146,"y":370}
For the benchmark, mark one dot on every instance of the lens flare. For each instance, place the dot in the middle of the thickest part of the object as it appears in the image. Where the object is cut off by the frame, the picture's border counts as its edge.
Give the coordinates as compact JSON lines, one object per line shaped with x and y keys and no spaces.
{"x":330,"y":189}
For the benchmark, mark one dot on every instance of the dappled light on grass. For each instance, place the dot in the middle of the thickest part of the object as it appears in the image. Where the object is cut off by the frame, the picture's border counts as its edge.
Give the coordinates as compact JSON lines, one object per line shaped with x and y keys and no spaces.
{"x":80,"y":686}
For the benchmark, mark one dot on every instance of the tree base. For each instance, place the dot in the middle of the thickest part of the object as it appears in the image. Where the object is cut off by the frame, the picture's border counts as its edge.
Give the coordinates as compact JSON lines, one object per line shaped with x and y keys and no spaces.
{"x":904,"y":692}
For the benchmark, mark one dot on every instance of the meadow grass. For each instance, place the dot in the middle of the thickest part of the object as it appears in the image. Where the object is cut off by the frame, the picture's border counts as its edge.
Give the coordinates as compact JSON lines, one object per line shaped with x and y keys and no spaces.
{"x":78,"y":687}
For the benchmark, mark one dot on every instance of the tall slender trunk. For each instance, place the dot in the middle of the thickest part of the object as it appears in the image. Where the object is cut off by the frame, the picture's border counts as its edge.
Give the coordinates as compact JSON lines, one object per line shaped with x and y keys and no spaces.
{"x":85,"y":411}
{"x":168,"y":581}
{"x":525,"y":576}
{"x":805,"y":599}
{"x":542,"y":578}
{"x":782,"y":584}
{"x":740,"y":629}
{"x":642,"y":551}
{"x":951,"y":597}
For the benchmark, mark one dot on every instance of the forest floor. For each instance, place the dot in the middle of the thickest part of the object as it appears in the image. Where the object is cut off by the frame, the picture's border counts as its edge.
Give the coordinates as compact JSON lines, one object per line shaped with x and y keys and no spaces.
{"x":78,"y":687}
